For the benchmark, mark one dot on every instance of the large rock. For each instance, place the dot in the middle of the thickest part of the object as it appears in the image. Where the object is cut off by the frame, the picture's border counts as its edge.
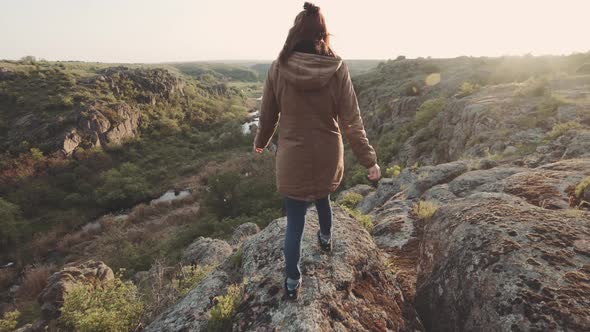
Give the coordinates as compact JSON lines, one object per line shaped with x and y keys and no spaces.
{"x":573,"y":144}
{"x":51,"y":298}
{"x":429,"y":176}
{"x":206,"y":251}
{"x":493,"y":262}
{"x":244,"y":231}
{"x":95,"y":128}
{"x":349,"y":289}
{"x":412,"y":183}
{"x":545,"y":188}
{"x":470,"y":182}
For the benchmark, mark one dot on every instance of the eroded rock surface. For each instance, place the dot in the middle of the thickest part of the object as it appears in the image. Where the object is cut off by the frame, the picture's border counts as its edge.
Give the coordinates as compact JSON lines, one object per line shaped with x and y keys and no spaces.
{"x":206,"y":251}
{"x":243,"y":232}
{"x":347,"y":289}
{"x":493,"y":262}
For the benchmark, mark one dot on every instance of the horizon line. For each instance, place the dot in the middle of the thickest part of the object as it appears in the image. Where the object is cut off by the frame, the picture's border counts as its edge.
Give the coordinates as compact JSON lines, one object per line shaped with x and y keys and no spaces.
{"x":226,"y":60}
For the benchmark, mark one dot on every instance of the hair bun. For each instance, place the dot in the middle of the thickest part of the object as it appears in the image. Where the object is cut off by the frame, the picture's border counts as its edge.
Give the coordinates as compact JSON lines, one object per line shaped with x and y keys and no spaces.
{"x":311,"y":8}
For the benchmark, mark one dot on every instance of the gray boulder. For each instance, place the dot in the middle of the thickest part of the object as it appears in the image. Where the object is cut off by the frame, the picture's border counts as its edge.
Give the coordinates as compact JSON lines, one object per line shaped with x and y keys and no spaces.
{"x":493,"y":262}
{"x":244,"y":231}
{"x":470,"y":182}
{"x":51,"y":298}
{"x":206,"y":251}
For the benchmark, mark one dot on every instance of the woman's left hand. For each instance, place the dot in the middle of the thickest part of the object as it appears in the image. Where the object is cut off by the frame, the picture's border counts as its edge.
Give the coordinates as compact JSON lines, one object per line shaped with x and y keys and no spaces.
{"x":258,"y":150}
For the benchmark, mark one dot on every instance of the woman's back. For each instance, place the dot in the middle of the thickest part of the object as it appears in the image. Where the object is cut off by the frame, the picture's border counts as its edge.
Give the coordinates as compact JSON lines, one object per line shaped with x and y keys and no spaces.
{"x":312,"y":93}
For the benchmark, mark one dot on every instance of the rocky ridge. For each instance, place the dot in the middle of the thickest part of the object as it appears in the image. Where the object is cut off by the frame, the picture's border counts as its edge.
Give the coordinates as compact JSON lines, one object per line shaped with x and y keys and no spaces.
{"x":348,"y":289}
{"x":506,"y":249}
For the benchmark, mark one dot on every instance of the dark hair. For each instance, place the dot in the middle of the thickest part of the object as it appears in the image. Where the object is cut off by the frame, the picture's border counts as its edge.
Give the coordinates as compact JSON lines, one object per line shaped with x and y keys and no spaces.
{"x":309,"y":34}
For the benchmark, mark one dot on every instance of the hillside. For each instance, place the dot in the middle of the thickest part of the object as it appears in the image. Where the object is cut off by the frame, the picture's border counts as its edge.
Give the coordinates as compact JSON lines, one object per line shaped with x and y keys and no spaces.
{"x":480,"y":222}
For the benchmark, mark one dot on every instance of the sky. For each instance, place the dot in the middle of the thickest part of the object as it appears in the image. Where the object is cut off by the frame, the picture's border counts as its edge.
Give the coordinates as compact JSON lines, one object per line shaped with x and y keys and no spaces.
{"x":193,"y":30}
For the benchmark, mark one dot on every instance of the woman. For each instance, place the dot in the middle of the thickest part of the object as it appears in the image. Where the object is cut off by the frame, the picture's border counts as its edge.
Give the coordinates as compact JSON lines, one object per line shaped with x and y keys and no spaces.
{"x":309,"y":88}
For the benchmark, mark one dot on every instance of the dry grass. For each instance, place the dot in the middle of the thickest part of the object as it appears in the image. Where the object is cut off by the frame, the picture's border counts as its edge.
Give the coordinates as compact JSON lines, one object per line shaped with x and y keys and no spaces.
{"x":425,"y":209}
{"x":70,"y":240}
{"x":43,"y":243}
{"x":34,"y":280}
{"x":143,"y":212}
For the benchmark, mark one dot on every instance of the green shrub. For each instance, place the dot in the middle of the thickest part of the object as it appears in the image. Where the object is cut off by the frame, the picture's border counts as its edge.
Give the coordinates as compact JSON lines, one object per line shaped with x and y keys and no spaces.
{"x":222,"y":314}
{"x":9,"y":321}
{"x":112,"y":306}
{"x":363,"y":219}
{"x":393,"y":171}
{"x":562,"y":128}
{"x":427,"y":111}
{"x":189,"y":277}
{"x":389,"y":144}
{"x":425,"y":209}
{"x":533,"y":87}
{"x":468,"y":88}
{"x":350,"y":199}
{"x":123,"y":187}
{"x":235,"y":259}
{"x":581,"y":187}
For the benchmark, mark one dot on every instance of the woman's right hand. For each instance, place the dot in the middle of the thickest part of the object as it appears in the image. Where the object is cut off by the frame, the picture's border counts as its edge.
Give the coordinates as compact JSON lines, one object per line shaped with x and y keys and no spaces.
{"x":374,"y":173}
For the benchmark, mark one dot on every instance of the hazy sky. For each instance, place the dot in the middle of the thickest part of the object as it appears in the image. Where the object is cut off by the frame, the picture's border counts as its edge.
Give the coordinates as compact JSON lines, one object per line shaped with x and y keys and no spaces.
{"x":182,"y":30}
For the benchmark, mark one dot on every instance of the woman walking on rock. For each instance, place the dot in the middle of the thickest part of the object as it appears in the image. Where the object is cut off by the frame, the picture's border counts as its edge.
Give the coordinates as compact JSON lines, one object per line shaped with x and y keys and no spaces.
{"x":309,"y":88}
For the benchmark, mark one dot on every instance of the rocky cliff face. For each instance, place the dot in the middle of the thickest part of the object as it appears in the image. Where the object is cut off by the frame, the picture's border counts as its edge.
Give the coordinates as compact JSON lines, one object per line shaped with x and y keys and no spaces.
{"x":496,"y":121}
{"x":60,"y":109}
{"x":493,"y":262}
{"x":506,"y":249}
{"x":95,"y":129}
{"x":100,"y":123}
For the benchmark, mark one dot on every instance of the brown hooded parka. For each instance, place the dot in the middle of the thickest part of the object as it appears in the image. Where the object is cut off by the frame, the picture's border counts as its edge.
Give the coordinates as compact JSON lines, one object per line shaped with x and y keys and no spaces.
{"x":314,"y":98}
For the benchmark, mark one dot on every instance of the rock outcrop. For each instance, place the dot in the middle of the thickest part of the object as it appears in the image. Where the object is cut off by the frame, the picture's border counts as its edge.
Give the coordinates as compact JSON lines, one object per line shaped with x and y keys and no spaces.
{"x":206,"y":251}
{"x":348,"y":289}
{"x":95,"y":128}
{"x":51,"y":298}
{"x":243,"y":232}
{"x":506,"y":249}
{"x":493,"y":262}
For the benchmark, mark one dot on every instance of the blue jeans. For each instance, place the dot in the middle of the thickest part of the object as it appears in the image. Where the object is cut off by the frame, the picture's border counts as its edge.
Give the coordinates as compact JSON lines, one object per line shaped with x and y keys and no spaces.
{"x":294,"y":234}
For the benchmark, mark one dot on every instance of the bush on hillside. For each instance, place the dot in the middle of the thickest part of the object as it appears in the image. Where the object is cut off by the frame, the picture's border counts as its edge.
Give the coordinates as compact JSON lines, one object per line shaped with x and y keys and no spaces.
{"x":225,"y":308}
{"x":562,"y":128}
{"x":122,"y":187}
{"x":188,"y":277}
{"x":468,"y":88}
{"x":242,"y":187}
{"x":393,"y":171}
{"x":350,"y":199}
{"x":112,"y":306}
{"x":533,"y":87}
{"x":427,"y":111}
{"x":581,"y":187}
{"x":9,"y":322}
{"x":425,"y":209}
{"x":365,"y":220}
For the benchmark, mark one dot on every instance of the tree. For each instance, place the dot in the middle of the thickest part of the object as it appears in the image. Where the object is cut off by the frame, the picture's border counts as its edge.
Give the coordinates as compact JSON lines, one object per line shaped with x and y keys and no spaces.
{"x":122,"y":187}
